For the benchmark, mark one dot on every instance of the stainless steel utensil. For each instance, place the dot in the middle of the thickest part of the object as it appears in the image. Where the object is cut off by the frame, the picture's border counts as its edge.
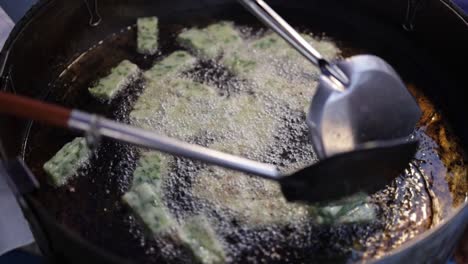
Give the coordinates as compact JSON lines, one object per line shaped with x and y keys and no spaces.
{"x":360,"y":99}
{"x":367,"y":169}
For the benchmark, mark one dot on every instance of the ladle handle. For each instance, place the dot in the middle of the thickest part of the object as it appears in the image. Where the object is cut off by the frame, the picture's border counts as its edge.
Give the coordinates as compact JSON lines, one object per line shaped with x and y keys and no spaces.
{"x":136,"y":136}
{"x":96,"y":126}
{"x":274,"y":21}
{"x":33,"y":109}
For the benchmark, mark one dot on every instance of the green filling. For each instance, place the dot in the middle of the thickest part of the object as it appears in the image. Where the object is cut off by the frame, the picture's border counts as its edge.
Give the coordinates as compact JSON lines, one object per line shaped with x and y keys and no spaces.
{"x":66,"y":162}
{"x":147,"y":39}
{"x":108,"y":87}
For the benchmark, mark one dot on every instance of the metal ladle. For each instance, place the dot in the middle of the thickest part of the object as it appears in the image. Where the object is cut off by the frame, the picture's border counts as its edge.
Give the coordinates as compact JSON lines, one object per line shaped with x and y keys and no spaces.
{"x":359,"y":100}
{"x":366,"y":169}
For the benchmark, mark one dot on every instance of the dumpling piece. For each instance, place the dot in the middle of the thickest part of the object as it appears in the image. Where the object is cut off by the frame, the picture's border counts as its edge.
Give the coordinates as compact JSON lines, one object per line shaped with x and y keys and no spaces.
{"x":120,"y":77}
{"x":173,"y":64}
{"x":145,"y":199}
{"x":356,"y":208}
{"x":147,"y":38}
{"x":66,"y":162}
{"x":145,"y":196}
{"x":150,"y":167}
{"x":211,"y":41}
{"x":198,"y":235}
{"x":146,"y":203}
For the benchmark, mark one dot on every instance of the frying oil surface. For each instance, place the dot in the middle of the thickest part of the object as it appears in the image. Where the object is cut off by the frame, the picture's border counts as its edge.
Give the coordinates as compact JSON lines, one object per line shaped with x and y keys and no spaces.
{"x":260,"y":116}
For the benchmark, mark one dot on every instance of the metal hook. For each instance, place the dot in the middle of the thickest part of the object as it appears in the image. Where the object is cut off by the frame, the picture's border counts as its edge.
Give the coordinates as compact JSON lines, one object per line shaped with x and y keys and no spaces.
{"x":95,"y":18}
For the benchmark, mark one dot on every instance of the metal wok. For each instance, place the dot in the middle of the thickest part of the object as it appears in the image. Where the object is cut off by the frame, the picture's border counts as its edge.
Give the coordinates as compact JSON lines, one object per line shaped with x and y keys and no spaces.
{"x":424,"y":40}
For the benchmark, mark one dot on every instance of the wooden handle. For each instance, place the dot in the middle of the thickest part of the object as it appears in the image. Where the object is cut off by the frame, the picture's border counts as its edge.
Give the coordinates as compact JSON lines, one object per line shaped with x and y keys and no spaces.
{"x":24,"y":107}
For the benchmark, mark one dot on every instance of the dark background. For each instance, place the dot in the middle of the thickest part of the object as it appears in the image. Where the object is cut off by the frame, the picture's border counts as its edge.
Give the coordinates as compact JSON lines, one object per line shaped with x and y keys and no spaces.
{"x":16,"y":8}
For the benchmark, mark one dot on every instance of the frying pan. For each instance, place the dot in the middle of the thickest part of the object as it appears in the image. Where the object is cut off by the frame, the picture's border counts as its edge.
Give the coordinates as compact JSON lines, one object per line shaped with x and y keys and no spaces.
{"x":424,"y":40}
